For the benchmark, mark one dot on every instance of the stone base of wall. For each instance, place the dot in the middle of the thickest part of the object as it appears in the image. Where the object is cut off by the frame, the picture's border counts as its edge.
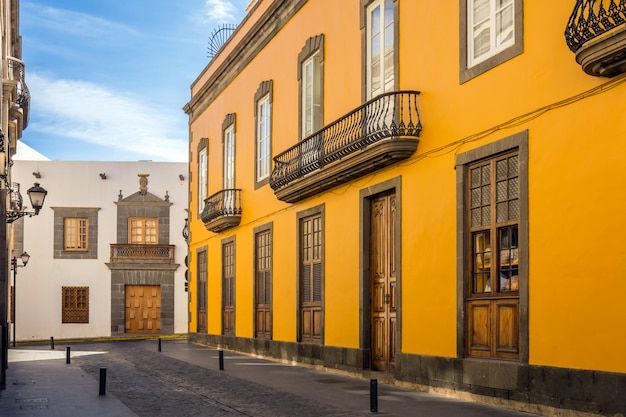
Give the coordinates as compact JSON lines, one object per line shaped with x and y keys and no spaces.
{"x":539,"y":389}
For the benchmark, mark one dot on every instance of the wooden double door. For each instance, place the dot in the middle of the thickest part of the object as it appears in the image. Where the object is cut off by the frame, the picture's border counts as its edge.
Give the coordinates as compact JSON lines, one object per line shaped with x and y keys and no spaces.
{"x":383,"y":289}
{"x":143,"y":309}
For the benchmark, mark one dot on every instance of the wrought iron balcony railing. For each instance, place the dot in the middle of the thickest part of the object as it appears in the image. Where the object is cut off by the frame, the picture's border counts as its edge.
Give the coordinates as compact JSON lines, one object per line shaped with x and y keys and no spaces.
{"x":134,"y":253}
{"x":595,"y":20}
{"x":378,"y":133}
{"x":222,"y":210}
{"x":16,"y":72}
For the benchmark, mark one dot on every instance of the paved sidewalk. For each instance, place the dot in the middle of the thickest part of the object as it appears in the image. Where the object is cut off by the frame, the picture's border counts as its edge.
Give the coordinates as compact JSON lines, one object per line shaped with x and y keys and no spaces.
{"x":186,"y":378}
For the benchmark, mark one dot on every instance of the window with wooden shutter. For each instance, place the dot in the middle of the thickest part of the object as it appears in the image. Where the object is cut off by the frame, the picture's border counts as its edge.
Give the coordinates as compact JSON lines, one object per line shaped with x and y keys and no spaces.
{"x":492,"y":300}
{"x":75,"y":304}
{"x":263,"y":284}
{"x":311,"y":238}
{"x":228,"y":288}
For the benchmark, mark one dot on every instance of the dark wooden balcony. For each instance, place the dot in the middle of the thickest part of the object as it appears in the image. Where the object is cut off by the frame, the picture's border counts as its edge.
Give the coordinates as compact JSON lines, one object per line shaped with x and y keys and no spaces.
{"x":16,"y":75}
{"x":222,"y":210}
{"x":596,"y":33}
{"x":130,"y":253}
{"x":378,"y":133}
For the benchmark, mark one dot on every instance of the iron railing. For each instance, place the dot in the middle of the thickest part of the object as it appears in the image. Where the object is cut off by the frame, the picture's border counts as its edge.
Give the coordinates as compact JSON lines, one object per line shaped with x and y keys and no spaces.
{"x":223,"y":203}
{"x":218,"y":38}
{"x":16,"y":72}
{"x":593,"y":18}
{"x":142,"y":253}
{"x":388,"y":116}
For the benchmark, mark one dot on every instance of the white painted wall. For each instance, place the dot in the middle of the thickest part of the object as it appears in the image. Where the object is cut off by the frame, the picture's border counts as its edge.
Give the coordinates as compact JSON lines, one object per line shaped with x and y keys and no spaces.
{"x":78,"y":184}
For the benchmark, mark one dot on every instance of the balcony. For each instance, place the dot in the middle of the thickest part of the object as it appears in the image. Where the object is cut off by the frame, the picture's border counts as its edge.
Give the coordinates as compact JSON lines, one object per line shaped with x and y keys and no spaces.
{"x":596,"y":33}
{"x":379,"y":133}
{"x":130,"y":253}
{"x":16,"y":75}
{"x":222,"y":210}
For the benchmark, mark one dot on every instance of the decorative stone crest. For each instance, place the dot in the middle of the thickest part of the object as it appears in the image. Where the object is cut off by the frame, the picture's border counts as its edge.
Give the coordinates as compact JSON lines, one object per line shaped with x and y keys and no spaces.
{"x":143,"y":183}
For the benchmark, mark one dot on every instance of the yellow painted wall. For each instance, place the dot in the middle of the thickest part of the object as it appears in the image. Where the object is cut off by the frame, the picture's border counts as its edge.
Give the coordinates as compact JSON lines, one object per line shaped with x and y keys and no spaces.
{"x":577,"y":172}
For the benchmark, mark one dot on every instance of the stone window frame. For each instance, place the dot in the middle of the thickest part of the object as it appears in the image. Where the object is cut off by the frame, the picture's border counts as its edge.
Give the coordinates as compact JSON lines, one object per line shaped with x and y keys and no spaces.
{"x":467,"y":73}
{"x":364,"y":5}
{"x":91,"y":214}
{"x":314,"y":46}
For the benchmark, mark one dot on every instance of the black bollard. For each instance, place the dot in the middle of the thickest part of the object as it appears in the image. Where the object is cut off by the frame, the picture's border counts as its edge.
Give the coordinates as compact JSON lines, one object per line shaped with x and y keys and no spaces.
{"x":103,"y":381}
{"x":67,"y":355}
{"x":374,"y":395}
{"x":221,"y":356}
{"x":51,"y":343}
{"x":159,"y":344}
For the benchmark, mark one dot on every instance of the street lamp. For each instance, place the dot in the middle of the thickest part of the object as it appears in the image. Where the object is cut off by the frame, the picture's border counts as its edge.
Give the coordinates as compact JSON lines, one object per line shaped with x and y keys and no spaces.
{"x":37,"y":195}
{"x":25,"y":257}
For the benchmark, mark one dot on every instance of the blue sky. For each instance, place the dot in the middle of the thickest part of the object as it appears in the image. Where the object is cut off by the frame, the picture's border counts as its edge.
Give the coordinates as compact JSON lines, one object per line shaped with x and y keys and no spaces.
{"x":108,"y":78}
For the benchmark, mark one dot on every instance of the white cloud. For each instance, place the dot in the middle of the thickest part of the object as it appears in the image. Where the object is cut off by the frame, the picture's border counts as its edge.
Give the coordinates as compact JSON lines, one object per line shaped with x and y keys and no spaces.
{"x":74,"y":23}
{"x":95,"y":115}
{"x":220,"y":11}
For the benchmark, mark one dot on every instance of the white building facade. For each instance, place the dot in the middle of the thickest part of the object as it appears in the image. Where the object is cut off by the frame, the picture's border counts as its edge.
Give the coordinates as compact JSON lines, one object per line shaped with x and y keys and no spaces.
{"x":107,"y":254}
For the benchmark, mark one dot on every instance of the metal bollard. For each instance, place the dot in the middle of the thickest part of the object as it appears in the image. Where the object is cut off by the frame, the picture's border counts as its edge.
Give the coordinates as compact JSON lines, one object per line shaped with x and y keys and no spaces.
{"x":221,"y":356}
{"x":374,"y":395}
{"x":51,"y":343}
{"x":67,"y":355}
{"x":159,"y":344}
{"x":103,"y":381}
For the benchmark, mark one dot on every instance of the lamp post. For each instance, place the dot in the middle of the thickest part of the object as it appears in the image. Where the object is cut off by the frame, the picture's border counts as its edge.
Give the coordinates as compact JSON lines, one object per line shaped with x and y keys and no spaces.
{"x":25,"y":257}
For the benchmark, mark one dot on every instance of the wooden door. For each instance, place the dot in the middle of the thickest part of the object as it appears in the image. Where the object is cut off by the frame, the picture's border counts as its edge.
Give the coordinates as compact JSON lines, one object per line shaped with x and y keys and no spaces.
{"x":263,"y":306}
{"x":143,"y":309}
{"x":383,"y":301}
{"x":202,"y":291}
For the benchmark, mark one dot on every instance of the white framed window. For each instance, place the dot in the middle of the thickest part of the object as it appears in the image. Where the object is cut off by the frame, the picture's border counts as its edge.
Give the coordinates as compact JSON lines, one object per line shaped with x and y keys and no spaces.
{"x":311,"y":95}
{"x":229,"y":158}
{"x":203,"y":172}
{"x":491,"y":28}
{"x":380,"y":65}
{"x":264,"y":130}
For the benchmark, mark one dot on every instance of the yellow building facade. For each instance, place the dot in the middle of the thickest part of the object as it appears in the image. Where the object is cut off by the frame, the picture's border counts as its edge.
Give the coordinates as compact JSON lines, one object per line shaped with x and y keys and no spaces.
{"x":425,"y":189}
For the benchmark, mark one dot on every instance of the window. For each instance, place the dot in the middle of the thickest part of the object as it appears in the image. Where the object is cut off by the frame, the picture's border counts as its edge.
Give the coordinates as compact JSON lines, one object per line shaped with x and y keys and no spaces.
{"x":75,"y":233}
{"x":263,"y":116}
{"x":491,"y":33}
{"x":263,"y":282}
{"x":202,"y":291}
{"x":228,"y":287}
{"x":75,"y":301}
{"x":229,"y":158}
{"x":203,"y":172}
{"x":143,"y":231}
{"x":310,"y":76}
{"x":311,"y":246}
{"x":380,"y":66}
{"x":495,"y":259}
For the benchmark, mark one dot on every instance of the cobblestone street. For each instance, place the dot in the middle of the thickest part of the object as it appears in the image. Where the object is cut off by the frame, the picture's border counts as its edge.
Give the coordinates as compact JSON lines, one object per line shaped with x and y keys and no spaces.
{"x":184,"y":379}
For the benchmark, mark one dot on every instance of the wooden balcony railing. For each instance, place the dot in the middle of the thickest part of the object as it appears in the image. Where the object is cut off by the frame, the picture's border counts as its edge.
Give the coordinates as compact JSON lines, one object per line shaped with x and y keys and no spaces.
{"x":378,"y":133}
{"x":142,"y":253}
{"x":222,"y":210}
{"x":596,"y":33}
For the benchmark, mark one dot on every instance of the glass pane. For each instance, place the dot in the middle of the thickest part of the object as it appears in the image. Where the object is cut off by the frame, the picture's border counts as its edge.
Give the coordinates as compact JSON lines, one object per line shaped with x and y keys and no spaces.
{"x":501,"y":191}
{"x":475,"y":174}
{"x":514,"y":210}
{"x":508,"y":252}
{"x":486,"y":195}
{"x":388,"y":12}
{"x":502,"y":212}
{"x":513,"y":166}
{"x":486,"y":213}
{"x":481,"y":248}
{"x":476,"y":217}
{"x":482,"y":39}
{"x":501,"y":169}
{"x":475,"y":198}
{"x":480,"y":10}
{"x":504,"y":26}
{"x":486,"y":174}
{"x":513,"y":188}
{"x":375,"y":20}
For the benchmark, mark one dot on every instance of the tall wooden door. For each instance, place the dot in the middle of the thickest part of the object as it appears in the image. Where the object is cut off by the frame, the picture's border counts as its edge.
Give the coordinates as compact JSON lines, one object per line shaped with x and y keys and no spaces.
{"x":383,"y":281}
{"x":143,"y":309}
